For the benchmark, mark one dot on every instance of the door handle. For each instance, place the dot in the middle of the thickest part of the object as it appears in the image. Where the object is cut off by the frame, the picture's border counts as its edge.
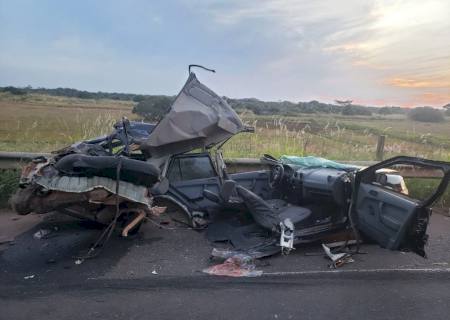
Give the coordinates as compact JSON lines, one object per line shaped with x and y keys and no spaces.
{"x":373,"y":193}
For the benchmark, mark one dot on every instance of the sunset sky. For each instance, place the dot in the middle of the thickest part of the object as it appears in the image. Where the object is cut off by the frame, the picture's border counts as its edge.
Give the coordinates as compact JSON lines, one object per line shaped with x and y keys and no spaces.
{"x":373,"y":52}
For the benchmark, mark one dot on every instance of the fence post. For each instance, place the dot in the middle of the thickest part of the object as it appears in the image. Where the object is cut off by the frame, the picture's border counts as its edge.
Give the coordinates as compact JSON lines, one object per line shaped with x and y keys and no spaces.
{"x":380,"y":148}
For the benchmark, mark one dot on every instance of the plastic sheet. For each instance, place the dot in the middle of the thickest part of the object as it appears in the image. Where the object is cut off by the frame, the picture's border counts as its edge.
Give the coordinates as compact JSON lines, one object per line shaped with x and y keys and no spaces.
{"x":315,"y":162}
{"x":235,"y":265}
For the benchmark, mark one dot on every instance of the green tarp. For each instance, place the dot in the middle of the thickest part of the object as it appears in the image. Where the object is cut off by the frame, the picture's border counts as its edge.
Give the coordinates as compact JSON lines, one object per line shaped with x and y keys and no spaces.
{"x":315,"y":162}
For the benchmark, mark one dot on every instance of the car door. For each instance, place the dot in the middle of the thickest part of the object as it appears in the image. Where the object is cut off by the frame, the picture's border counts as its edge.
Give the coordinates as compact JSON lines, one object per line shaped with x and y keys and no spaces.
{"x":255,"y":181}
{"x":189,"y":175}
{"x":389,"y":214}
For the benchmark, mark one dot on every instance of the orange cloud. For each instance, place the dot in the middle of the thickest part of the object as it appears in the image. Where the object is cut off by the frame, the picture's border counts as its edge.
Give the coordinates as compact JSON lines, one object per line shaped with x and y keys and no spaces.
{"x":417,"y":83}
{"x":433,"y":99}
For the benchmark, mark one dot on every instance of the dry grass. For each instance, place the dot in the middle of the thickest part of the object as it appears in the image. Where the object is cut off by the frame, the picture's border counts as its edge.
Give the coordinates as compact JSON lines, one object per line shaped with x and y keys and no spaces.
{"x":45,"y":123}
{"x":342,"y":139}
{"x":50,"y":124}
{"x":39,"y":123}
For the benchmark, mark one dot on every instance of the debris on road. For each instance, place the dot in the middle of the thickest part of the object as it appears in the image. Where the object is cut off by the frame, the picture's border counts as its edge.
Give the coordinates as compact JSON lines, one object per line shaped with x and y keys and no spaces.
{"x":42,"y":233}
{"x":79,"y":261}
{"x":342,"y":243}
{"x":29,"y":277}
{"x":338,"y":259}
{"x":237,"y":265}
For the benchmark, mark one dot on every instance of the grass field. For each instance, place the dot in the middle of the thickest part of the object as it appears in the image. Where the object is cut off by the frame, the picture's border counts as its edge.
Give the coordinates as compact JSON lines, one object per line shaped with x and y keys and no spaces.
{"x":45,"y":123}
{"x":341,"y":138}
{"x":42,"y":123}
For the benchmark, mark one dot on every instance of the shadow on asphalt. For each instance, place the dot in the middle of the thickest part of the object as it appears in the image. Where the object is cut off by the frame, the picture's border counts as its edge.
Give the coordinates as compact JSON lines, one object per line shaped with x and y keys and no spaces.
{"x":156,"y":253}
{"x":54,"y":255}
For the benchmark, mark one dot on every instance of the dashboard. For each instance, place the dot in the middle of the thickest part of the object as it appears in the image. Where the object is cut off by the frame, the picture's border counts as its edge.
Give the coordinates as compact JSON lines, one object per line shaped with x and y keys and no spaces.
{"x":315,"y":185}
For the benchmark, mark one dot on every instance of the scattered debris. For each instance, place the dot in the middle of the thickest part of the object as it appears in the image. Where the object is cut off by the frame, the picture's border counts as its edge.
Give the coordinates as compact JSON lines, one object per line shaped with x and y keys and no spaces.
{"x":287,"y":236}
{"x":223,"y":253}
{"x":238,"y":265}
{"x":31,"y":276}
{"x":42,"y":234}
{"x":341,"y":243}
{"x":338,"y":259}
{"x":79,"y":261}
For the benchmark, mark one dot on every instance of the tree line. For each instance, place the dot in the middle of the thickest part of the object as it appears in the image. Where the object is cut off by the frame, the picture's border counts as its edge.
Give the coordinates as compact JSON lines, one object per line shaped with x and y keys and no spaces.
{"x":74,"y":93}
{"x":153,"y":107}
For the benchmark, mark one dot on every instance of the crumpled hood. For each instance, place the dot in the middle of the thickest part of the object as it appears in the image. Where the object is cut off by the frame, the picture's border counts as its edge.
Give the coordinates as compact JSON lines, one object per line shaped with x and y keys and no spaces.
{"x":198,"y":118}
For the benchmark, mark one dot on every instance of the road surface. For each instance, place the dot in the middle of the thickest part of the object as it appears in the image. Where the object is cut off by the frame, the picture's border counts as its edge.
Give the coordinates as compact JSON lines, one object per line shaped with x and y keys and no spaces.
{"x":157,"y":275}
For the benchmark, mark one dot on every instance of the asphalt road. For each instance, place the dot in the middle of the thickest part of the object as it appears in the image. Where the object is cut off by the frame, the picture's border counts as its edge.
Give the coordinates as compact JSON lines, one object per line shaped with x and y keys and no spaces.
{"x":157,"y":276}
{"x":367,"y":296}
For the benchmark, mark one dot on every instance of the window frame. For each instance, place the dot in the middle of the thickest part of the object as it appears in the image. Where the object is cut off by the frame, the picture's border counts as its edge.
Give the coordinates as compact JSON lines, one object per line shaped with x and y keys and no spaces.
{"x":190,"y":155}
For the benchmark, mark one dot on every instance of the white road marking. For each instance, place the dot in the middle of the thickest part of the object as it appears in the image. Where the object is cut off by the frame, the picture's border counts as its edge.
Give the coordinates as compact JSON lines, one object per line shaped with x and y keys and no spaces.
{"x":365,"y":271}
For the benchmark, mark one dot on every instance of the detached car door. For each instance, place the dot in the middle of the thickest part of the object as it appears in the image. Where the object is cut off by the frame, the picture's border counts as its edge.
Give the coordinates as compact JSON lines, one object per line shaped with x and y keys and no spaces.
{"x":392,"y":200}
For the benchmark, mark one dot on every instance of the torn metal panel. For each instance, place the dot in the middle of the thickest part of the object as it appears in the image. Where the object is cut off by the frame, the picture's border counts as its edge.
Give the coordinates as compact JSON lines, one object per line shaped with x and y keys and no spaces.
{"x":72,"y":184}
{"x":337,"y":259}
{"x":198,"y":118}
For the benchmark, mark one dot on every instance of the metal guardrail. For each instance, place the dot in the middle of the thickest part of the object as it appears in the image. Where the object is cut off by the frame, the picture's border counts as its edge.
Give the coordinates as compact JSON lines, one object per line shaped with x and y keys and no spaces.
{"x":15,"y":160}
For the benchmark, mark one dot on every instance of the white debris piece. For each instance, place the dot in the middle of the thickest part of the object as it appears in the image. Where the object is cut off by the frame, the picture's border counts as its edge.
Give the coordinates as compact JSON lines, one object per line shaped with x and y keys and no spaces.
{"x":42,"y":233}
{"x":338,"y":259}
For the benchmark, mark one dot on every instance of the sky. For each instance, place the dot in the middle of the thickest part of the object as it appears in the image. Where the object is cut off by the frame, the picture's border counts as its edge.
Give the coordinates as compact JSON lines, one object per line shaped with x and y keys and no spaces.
{"x":372,"y":52}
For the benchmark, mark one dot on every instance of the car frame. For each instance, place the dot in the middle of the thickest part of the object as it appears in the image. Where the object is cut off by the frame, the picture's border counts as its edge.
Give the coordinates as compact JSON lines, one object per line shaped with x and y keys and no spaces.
{"x":184,"y":150}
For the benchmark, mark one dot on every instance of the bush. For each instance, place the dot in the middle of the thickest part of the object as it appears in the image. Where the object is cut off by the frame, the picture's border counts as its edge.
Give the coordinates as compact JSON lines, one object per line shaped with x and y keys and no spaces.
{"x":426,"y":114}
{"x":391,"y":110}
{"x":138,"y":98}
{"x":9,"y":182}
{"x":447,"y":110}
{"x":14,"y":91}
{"x":155,"y":108}
{"x":355,"y":110}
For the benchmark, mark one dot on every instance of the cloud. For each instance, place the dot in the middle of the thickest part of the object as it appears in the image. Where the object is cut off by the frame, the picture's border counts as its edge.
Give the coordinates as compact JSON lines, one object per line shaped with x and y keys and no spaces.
{"x":393,"y":52}
{"x":432,"y":98}
{"x":402,"y":41}
{"x":417,"y":83}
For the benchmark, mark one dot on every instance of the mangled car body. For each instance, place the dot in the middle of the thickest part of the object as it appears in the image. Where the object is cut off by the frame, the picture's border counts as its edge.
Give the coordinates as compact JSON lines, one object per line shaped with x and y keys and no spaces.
{"x":119,"y":175}
{"x":123,"y":176}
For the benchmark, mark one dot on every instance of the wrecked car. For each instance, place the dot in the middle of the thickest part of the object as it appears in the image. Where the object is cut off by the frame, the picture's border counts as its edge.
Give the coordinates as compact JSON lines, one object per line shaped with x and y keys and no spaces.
{"x":140,"y":168}
{"x":118,"y":177}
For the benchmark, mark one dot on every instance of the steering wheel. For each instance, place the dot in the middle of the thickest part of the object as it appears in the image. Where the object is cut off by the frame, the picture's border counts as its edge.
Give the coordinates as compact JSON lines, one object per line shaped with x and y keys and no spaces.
{"x":276,"y":175}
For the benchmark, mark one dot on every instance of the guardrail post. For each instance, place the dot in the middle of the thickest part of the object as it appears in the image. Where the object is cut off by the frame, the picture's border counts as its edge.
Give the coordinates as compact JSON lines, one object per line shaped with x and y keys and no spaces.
{"x":380,"y":148}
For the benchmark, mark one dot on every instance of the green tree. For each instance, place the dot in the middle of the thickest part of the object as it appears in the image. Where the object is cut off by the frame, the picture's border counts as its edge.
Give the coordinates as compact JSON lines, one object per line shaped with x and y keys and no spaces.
{"x":154,"y":108}
{"x":355,"y":110}
{"x":426,"y":114}
{"x":447,"y":109}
